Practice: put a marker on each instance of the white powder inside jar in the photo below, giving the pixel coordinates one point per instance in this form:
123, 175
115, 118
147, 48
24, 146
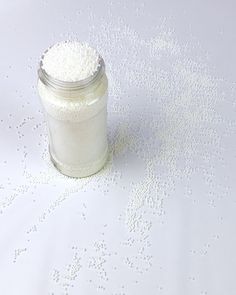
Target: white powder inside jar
70, 61
76, 120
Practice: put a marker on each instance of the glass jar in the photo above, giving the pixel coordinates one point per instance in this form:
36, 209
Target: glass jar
76, 115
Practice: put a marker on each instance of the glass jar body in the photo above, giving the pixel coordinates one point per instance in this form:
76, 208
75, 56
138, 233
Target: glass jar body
77, 127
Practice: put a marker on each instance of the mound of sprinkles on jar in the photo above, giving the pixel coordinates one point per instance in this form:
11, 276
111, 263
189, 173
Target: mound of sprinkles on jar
71, 61
73, 90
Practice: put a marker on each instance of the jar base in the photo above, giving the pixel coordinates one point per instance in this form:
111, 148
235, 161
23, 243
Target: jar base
80, 172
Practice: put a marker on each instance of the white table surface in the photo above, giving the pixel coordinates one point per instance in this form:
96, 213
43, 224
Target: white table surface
160, 217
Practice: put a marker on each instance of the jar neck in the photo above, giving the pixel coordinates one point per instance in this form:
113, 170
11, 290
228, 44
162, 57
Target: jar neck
61, 87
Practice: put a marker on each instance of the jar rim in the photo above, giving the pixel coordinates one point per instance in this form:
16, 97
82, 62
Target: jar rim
57, 84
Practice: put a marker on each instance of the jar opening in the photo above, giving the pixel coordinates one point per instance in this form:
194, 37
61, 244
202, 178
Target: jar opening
56, 84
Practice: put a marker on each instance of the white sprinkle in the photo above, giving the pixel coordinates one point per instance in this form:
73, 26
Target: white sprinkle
70, 61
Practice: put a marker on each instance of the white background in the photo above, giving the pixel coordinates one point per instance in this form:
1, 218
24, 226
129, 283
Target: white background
171, 67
